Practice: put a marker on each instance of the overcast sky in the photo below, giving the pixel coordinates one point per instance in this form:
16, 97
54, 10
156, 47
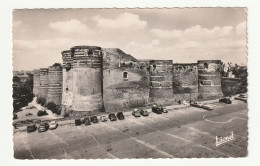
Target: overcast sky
182, 35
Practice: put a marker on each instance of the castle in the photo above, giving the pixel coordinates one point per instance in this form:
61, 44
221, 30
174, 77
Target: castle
93, 79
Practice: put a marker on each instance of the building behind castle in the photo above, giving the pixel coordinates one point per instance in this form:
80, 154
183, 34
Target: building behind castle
106, 79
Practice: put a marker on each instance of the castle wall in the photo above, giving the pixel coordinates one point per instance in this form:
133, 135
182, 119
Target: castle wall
209, 79
125, 81
185, 81
55, 84
87, 78
121, 93
161, 89
44, 83
36, 82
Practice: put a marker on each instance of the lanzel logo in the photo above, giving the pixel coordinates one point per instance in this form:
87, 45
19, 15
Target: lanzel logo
221, 140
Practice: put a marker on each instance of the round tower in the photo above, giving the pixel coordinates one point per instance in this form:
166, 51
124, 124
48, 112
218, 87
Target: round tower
44, 83
36, 82
67, 93
209, 79
87, 78
55, 84
160, 81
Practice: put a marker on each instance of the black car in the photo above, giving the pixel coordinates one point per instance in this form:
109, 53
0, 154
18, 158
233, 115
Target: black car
144, 112
41, 113
28, 114
82, 120
120, 116
87, 121
31, 128
112, 117
225, 100
77, 122
15, 116
156, 109
94, 119
44, 126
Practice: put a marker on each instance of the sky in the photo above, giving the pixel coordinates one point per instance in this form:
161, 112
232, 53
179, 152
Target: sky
183, 35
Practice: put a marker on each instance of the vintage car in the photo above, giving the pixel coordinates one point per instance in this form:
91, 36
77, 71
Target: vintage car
77, 122
164, 110
42, 112
195, 104
87, 121
225, 100
120, 116
112, 117
242, 97
94, 119
156, 109
103, 118
31, 128
28, 114
136, 113
44, 126
15, 116
144, 112
207, 107
53, 125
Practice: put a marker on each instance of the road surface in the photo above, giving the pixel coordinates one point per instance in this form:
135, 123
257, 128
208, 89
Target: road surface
182, 133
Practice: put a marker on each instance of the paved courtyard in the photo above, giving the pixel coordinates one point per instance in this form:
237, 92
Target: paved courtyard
189, 132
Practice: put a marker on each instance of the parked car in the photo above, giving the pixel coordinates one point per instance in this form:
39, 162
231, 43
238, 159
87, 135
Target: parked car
195, 104
156, 109
77, 122
103, 118
207, 107
28, 114
53, 125
144, 112
31, 128
94, 119
82, 120
242, 97
15, 116
120, 116
112, 117
44, 126
136, 113
225, 100
87, 121
164, 110
42, 112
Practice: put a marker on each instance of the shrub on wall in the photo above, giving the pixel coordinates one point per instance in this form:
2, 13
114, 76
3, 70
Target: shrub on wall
41, 100
54, 108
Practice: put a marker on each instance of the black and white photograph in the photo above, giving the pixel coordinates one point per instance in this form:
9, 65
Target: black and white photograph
121, 83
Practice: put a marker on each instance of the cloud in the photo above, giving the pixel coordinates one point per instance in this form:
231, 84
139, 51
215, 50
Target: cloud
241, 28
71, 26
43, 53
123, 21
193, 33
